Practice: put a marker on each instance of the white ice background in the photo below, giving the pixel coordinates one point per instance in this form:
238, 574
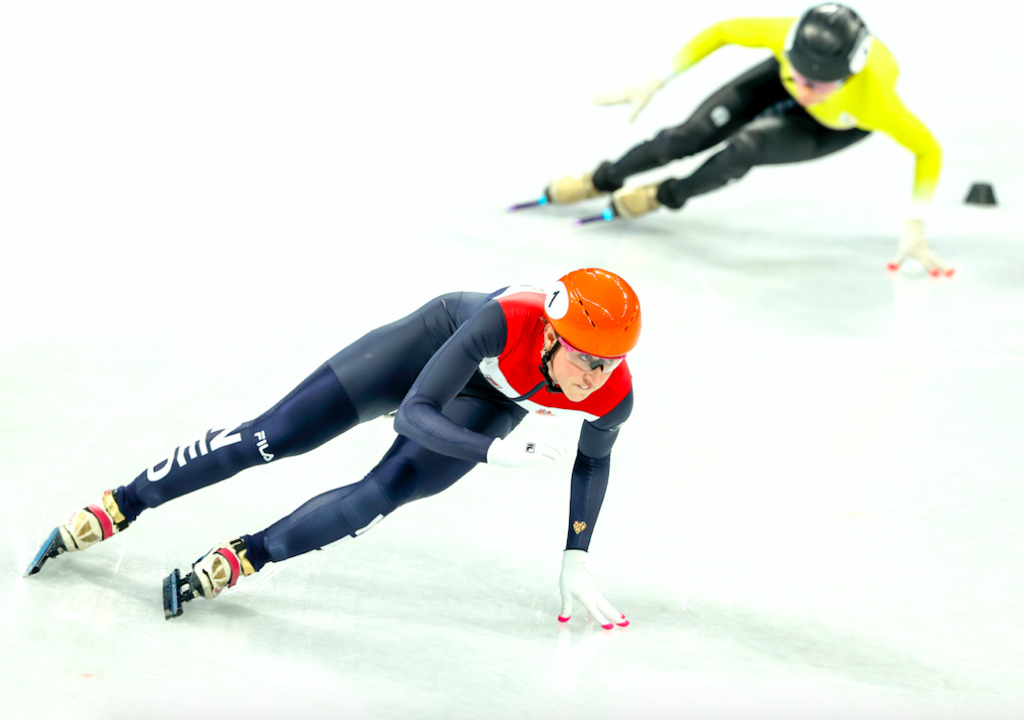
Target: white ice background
814, 512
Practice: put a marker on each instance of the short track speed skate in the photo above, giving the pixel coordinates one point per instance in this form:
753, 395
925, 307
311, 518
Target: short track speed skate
178, 590
52, 547
83, 527
542, 200
605, 216
211, 574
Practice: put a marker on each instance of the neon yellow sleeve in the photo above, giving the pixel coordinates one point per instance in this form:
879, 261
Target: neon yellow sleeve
896, 121
749, 32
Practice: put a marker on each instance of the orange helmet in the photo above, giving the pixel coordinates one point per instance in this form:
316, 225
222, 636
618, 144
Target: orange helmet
596, 311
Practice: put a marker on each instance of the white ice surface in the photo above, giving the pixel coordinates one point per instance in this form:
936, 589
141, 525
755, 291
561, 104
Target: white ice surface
815, 511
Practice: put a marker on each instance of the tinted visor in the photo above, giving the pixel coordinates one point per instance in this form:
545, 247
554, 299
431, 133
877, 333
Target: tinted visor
589, 363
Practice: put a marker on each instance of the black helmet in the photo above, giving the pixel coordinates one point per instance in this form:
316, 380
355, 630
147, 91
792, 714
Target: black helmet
829, 42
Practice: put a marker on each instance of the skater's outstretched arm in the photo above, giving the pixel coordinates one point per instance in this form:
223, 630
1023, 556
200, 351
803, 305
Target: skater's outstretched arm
902, 126
892, 117
879, 107
748, 32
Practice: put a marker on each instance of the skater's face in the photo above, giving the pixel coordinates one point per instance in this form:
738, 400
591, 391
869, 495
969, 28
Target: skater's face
812, 92
576, 383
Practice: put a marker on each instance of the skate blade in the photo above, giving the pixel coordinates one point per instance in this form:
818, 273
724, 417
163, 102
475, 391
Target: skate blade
607, 215
53, 547
531, 204
174, 595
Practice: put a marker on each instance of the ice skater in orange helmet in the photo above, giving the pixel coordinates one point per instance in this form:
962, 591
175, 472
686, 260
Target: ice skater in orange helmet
462, 372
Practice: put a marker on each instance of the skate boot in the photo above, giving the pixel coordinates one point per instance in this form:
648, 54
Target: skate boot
568, 189
572, 188
629, 203
81, 529
211, 574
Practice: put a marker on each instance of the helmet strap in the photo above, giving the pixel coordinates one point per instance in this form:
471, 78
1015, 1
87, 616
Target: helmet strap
545, 358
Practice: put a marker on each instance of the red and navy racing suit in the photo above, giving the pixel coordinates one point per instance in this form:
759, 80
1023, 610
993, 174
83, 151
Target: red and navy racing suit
458, 371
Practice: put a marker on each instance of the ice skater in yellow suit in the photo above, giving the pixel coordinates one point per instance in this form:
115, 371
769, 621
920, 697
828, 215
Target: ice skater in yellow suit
828, 84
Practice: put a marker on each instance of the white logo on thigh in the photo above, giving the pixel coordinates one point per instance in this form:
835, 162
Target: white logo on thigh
201, 446
262, 445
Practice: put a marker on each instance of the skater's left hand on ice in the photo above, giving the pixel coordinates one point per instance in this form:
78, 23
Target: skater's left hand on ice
575, 583
915, 244
638, 96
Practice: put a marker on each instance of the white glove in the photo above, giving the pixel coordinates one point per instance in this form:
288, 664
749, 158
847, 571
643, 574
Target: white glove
915, 244
529, 449
575, 583
638, 96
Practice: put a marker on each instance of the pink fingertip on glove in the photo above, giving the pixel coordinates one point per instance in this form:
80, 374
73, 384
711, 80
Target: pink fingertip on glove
609, 626
893, 266
563, 619
624, 623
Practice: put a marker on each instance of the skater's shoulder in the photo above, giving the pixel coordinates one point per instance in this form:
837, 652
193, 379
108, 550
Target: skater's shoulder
881, 64
521, 302
873, 90
520, 296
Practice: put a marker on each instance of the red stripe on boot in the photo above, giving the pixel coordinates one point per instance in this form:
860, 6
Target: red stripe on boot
236, 568
101, 515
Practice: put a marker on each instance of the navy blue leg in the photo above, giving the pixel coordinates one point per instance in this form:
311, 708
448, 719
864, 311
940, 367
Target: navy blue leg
365, 380
314, 412
408, 472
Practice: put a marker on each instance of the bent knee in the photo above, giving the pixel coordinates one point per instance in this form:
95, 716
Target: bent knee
397, 477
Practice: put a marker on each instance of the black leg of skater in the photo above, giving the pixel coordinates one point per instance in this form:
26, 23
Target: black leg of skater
725, 111
784, 133
789, 137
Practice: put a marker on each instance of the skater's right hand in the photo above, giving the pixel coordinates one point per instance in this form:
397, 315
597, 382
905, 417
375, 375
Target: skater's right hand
528, 449
914, 244
638, 96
